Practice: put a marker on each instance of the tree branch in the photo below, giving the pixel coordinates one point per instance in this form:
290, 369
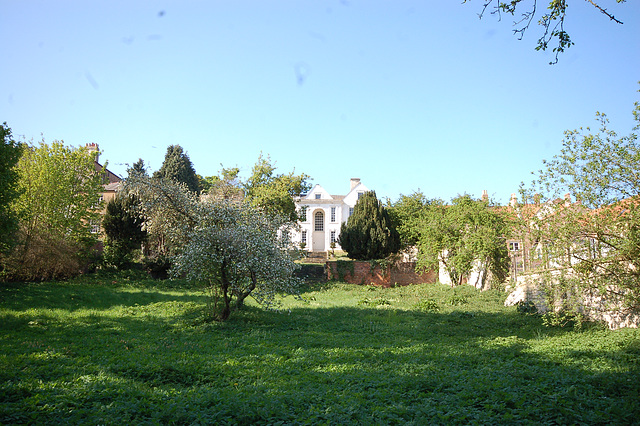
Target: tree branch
604, 11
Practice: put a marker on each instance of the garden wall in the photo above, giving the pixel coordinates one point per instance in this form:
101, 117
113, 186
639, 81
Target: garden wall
595, 307
378, 273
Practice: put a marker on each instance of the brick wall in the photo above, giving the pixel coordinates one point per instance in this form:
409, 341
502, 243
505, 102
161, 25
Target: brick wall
357, 272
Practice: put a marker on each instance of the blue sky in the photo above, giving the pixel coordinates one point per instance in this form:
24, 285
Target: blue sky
405, 95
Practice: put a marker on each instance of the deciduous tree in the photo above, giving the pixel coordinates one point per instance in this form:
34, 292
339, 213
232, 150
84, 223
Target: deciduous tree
552, 20
406, 214
225, 186
464, 236
594, 243
273, 193
233, 249
58, 204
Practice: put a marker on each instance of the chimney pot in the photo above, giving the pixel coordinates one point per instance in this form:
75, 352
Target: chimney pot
514, 200
93, 147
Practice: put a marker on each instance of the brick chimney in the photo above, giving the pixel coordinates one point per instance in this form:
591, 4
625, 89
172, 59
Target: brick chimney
514, 200
354, 182
93, 147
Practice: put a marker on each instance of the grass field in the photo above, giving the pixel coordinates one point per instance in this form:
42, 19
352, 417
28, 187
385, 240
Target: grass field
125, 350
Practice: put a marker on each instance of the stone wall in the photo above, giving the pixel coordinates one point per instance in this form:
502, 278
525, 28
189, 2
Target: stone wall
594, 306
373, 273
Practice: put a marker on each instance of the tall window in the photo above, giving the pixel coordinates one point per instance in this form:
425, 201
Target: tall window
333, 214
350, 211
319, 222
333, 236
360, 195
304, 237
303, 213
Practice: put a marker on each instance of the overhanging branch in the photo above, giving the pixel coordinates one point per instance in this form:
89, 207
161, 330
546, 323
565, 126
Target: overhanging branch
604, 11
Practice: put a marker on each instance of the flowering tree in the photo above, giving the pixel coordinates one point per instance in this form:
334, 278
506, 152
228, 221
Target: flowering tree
232, 248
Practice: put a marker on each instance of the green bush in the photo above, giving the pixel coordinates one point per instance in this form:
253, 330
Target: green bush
523, 307
157, 266
117, 254
428, 305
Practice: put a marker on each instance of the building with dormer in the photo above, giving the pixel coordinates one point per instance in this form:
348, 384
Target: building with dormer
322, 214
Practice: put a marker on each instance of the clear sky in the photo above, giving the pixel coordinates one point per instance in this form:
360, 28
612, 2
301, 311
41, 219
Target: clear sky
405, 95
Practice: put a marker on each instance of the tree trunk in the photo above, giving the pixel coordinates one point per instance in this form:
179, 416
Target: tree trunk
243, 295
226, 298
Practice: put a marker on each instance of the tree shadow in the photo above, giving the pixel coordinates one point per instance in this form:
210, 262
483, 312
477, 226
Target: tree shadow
338, 365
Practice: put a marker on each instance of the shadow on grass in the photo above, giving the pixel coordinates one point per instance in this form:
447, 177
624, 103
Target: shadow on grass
80, 295
152, 360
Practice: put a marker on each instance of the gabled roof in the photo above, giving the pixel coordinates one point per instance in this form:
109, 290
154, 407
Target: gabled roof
114, 186
109, 176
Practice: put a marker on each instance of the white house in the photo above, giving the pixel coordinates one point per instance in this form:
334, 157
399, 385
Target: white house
322, 214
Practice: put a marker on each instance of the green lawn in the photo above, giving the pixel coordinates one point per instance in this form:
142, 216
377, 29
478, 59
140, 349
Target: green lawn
113, 350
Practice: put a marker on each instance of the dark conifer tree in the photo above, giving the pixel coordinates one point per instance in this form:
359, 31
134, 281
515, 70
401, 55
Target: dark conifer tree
138, 169
10, 152
178, 167
368, 233
123, 226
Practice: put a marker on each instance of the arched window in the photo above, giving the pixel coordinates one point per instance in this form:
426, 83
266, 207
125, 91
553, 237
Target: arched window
319, 221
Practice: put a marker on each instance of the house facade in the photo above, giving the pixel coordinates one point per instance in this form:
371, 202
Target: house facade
111, 184
322, 214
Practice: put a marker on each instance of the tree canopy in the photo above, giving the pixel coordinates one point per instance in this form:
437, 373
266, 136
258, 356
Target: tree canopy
594, 242
406, 213
225, 186
10, 152
466, 235
552, 20
137, 169
123, 225
233, 249
178, 167
59, 203
274, 193
369, 232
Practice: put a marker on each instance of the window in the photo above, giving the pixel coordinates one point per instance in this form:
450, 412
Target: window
303, 213
95, 226
319, 222
350, 211
333, 236
304, 237
318, 196
98, 203
333, 214
360, 195
514, 246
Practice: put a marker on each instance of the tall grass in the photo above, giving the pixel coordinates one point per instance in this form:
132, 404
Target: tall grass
121, 350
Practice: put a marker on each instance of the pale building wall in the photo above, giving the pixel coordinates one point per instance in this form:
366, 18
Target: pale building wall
321, 240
